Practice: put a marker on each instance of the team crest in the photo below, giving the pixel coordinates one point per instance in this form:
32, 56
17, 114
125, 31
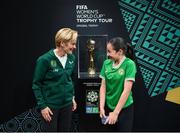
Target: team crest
53, 63
121, 71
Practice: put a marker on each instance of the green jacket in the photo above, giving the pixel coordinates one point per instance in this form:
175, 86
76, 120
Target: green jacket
52, 84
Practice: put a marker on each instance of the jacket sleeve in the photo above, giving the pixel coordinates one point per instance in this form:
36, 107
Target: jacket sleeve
39, 74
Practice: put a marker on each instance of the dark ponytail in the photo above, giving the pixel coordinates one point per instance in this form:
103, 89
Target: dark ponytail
130, 51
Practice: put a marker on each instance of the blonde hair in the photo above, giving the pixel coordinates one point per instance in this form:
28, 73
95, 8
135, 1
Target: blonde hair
65, 35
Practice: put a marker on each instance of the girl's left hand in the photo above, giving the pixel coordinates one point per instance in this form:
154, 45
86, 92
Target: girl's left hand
112, 119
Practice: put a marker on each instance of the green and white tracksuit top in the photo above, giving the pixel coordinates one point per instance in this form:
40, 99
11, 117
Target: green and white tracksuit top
115, 77
52, 84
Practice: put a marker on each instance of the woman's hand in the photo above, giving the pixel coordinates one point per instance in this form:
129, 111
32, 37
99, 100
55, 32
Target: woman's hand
46, 113
74, 106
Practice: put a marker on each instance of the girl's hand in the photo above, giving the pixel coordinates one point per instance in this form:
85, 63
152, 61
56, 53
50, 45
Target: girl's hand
112, 119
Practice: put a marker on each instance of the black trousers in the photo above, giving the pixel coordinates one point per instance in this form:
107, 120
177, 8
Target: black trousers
124, 122
61, 120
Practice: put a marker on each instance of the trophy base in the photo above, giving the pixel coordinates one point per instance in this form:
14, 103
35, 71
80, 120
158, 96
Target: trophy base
91, 75
86, 75
91, 71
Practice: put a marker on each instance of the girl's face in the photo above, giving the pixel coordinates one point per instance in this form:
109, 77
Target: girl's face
113, 54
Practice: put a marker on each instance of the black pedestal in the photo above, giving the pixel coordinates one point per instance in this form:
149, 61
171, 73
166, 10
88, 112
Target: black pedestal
88, 105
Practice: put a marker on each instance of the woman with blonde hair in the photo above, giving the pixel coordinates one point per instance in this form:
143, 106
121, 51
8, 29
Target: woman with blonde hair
52, 82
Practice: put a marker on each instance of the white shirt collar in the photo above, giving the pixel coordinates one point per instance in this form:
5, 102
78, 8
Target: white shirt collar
117, 66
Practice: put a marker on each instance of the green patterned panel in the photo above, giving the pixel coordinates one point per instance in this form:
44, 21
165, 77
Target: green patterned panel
155, 36
142, 5
169, 35
173, 65
147, 75
158, 11
175, 81
128, 18
141, 30
171, 6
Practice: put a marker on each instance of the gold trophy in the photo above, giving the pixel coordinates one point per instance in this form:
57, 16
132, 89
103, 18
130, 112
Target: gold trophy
91, 68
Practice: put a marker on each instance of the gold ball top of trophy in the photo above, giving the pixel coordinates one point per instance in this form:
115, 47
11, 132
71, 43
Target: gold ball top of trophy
90, 44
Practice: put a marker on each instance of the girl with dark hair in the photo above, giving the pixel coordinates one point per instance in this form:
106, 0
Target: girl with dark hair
118, 75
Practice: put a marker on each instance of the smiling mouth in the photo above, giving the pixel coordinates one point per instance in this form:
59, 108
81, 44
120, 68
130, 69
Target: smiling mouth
71, 50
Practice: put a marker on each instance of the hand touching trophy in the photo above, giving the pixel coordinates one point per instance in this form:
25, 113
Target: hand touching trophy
91, 67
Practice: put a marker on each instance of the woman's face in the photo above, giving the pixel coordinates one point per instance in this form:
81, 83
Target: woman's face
69, 47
